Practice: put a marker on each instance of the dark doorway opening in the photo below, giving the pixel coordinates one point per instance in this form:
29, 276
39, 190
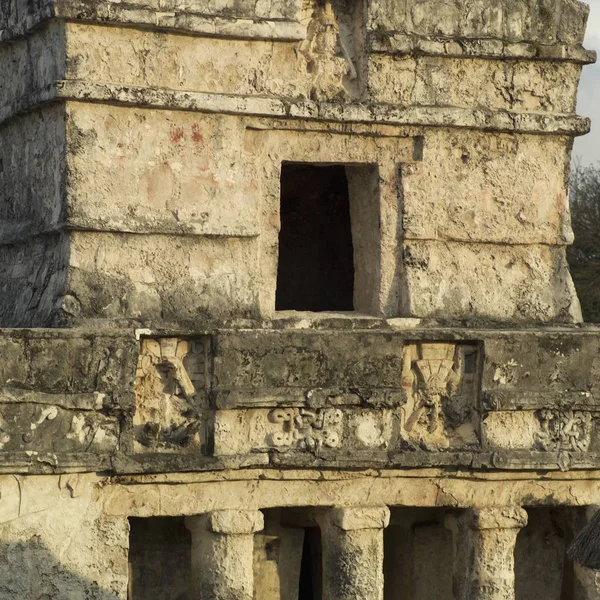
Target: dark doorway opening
316, 263
310, 569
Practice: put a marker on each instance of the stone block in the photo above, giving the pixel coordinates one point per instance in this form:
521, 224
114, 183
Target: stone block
437, 81
278, 20
161, 278
62, 396
573, 21
158, 172
36, 429
481, 203
563, 431
32, 276
235, 522
297, 359
491, 283
337, 431
204, 64
529, 372
33, 177
513, 19
29, 65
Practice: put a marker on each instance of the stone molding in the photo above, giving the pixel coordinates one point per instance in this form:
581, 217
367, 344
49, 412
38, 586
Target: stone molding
190, 23
254, 106
410, 45
498, 517
159, 19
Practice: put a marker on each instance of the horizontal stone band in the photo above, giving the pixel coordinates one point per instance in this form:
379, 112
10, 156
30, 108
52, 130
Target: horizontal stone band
424, 116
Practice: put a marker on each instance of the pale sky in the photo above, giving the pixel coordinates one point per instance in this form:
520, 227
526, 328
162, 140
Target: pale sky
587, 148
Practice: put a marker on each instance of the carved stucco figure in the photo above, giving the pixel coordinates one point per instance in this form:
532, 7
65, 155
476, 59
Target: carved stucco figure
441, 395
167, 415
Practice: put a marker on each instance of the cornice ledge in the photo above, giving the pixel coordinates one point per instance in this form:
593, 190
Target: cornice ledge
399, 44
146, 17
261, 106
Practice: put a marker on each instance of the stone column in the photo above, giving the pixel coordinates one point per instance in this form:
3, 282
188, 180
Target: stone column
484, 552
352, 546
222, 554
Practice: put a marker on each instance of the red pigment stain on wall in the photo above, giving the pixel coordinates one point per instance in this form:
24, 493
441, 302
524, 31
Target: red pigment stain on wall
176, 135
197, 133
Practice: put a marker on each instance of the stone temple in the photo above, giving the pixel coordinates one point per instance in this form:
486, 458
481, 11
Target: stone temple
285, 304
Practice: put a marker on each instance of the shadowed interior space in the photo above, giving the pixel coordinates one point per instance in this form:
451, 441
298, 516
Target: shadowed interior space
316, 265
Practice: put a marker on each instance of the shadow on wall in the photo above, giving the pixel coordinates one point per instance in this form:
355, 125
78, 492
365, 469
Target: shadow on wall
29, 571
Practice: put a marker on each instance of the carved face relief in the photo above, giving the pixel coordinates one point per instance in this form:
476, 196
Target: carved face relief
440, 382
170, 389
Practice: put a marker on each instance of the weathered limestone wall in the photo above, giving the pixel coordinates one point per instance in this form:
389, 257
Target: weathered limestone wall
141, 152
57, 543
335, 397
172, 133
68, 536
96, 429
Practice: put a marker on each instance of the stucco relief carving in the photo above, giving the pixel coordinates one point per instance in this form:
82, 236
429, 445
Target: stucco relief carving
4, 432
170, 378
20, 426
305, 429
38, 428
569, 431
329, 50
440, 383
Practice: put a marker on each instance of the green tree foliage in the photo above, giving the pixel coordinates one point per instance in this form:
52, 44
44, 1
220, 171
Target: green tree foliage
584, 255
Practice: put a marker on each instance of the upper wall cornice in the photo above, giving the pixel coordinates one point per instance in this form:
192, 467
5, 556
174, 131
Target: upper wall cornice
534, 29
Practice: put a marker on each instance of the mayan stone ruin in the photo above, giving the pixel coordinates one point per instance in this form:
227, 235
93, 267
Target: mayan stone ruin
285, 306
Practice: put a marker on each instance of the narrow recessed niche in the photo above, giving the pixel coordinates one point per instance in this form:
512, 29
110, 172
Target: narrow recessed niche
329, 238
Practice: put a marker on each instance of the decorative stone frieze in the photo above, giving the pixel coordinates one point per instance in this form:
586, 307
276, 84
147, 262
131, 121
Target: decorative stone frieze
34, 428
306, 429
321, 431
569, 430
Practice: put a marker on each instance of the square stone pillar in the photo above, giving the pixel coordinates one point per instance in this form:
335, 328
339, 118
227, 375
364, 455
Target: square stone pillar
484, 552
222, 554
352, 546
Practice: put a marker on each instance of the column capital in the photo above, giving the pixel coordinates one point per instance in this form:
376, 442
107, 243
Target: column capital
356, 517
498, 517
228, 522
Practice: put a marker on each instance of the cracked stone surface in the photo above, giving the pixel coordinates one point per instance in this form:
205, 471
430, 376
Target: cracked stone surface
161, 422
